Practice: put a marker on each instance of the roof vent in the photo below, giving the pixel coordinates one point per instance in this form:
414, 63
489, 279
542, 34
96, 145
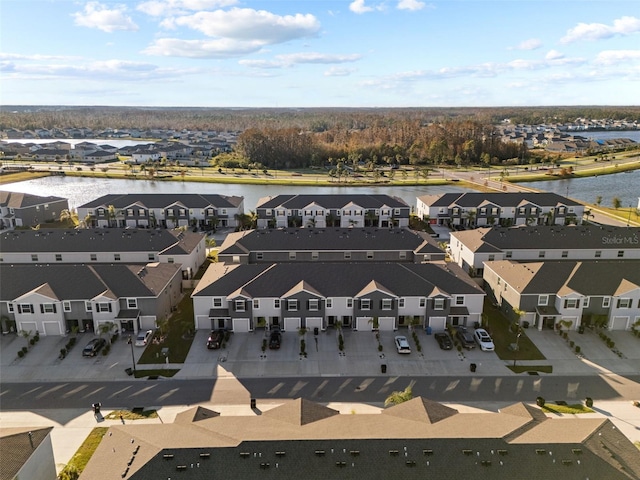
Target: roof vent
181, 467
427, 452
393, 453
320, 453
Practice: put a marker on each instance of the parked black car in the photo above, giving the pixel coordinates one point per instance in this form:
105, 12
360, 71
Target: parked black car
275, 339
215, 339
465, 337
444, 341
93, 347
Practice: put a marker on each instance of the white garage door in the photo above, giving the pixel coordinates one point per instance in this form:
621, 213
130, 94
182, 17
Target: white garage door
619, 323
28, 327
202, 322
241, 325
437, 324
387, 324
315, 322
364, 324
291, 324
52, 328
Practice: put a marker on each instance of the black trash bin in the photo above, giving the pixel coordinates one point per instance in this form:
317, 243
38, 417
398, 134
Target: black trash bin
128, 371
383, 368
581, 329
316, 331
473, 367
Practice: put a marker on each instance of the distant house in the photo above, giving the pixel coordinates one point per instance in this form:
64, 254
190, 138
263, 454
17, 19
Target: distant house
347, 295
329, 245
471, 248
25, 210
204, 211
417, 439
568, 294
323, 211
470, 210
54, 299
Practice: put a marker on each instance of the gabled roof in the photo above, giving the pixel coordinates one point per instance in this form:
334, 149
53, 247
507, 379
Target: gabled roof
163, 200
300, 412
17, 448
333, 202
302, 286
24, 200
421, 410
195, 414
374, 286
502, 199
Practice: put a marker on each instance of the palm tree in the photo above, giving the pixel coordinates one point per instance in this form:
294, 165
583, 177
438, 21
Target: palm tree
111, 214
396, 398
616, 202
71, 217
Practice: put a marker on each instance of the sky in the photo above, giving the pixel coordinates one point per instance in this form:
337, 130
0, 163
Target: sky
320, 53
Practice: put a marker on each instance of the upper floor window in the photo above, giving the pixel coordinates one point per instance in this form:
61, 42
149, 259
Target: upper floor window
508, 254
347, 255
259, 255
276, 303
329, 302
47, 308
58, 257
88, 307
292, 305
565, 253
423, 302
103, 307
314, 305
401, 302
34, 257
365, 304
132, 303
349, 302
543, 300
598, 253
66, 306
541, 254
585, 302
292, 255
217, 302
93, 257
624, 303
25, 308
239, 305
256, 304
459, 299
571, 303
151, 257
606, 302
438, 303
620, 253
387, 304
369, 255
116, 257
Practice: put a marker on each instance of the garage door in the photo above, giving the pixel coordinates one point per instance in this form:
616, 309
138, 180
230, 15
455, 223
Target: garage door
437, 324
387, 324
241, 325
291, 324
202, 322
28, 327
52, 328
619, 323
364, 324
315, 322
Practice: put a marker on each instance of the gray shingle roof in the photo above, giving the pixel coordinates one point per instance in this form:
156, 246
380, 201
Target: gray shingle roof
506, 199
23, 200
15, 448
161, 200
332, 201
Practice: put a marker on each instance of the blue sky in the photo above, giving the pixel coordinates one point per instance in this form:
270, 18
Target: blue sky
320, 53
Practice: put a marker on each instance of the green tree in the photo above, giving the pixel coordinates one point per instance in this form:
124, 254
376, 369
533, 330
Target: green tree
616, 202
396, 398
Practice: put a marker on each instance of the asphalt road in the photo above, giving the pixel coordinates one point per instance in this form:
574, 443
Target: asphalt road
167, 392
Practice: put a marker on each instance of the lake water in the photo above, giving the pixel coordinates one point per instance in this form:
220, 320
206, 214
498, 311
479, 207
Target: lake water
80, 190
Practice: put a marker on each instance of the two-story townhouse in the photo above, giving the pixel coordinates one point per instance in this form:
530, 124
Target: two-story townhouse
332, 211
204, 211
359, 296
54, 299
329, 245
90, 246
568, 294
471, 248
470, 210
25, 210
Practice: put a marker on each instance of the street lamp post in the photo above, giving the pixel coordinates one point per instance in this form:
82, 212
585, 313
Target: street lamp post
629, 217
515, 353
133, 358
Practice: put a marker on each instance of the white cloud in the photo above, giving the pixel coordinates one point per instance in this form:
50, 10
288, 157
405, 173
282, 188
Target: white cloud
159, 8
246, 24
220, 48
289, 60
97, 15
358, 6
530, 44
339, 72
553, 55
37, 57
598, 31
412, 5
613, 57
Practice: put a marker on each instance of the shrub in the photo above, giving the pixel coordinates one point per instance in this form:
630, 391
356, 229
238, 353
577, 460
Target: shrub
577, 348
379, 347
37, 338
24, 350
32, 342
63, 352
20, 353
105, 350
588, 402
227, 335
72, 341
572, 343
540, 401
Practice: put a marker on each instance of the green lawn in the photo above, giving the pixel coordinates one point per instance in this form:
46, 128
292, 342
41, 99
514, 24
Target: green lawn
82, 456
572, 409
498, 326
178, 337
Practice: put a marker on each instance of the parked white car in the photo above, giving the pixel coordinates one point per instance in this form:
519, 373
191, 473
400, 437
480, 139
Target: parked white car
483, 339
402, 345
143, 338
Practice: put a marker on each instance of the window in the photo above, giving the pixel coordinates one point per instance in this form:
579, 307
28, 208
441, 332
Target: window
87, 306
571, 303
494, 211
541, 254
606, 302
459, 299
103, 307
116, 257
349, 302
129, 212
543, 300
58, 257
141, 212
314, 255
217, 302
93, 257
239, 305
172, 260
292, 255
276, 303
347, 255
403, 255
329, 302
34, 257
565, 253
369, 255
365, 304
182, 212
256, 304
401, 302
292, 305
259, 255
491, 258
223, 211
47, 308
396, 211
25, 308
132, 303
314, 305
620, 253
598, 253
438, 303
423, 302
10, 307
508, 254
522, 211
483, 211
387, 304
268, 212
624, 303
66, 306
585, 302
